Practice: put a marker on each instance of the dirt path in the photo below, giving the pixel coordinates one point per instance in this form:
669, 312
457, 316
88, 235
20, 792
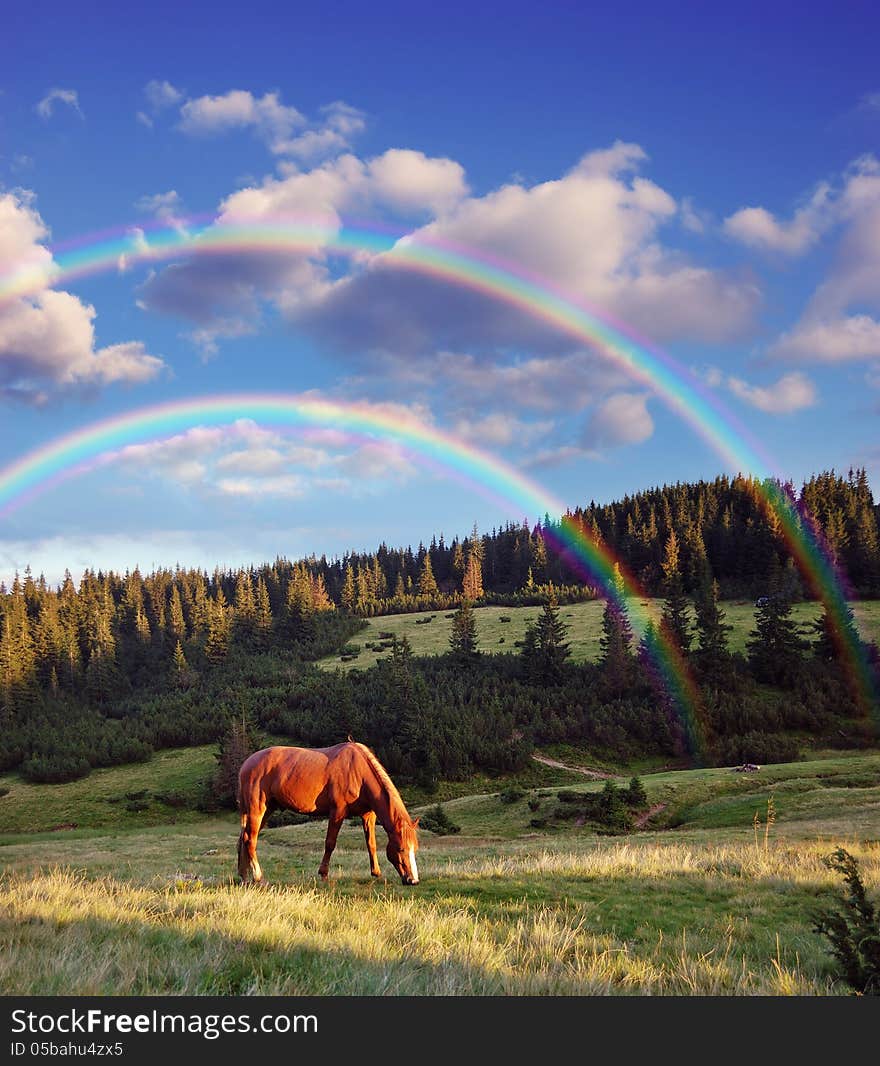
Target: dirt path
642, 819
599, 775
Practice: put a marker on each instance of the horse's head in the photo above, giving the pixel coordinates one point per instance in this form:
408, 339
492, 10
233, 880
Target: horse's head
403, 843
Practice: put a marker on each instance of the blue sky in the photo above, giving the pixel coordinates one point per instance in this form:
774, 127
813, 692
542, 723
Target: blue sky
710, 178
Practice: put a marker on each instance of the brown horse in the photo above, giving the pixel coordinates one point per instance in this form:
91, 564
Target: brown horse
341, 781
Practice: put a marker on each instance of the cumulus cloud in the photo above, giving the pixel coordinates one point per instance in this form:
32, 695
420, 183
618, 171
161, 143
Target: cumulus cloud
840, 322
166, 206
239, 109
621, 419
69, 97
47, 338
792, 392
161, 94
245, 460
333, 134
836, 341
759, 228
594, 234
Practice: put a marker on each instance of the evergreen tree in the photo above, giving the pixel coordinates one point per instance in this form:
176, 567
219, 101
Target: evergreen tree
546, 649
827, 646
217, 640
616, 639
427, 582
776, 647
714, 653
349, 592
463, 639
675, 620
240, 739
472, 583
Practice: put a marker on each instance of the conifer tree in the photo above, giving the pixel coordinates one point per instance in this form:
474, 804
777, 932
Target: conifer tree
472, 583
463, 639
349, 591
675, 620
616, 639
713, 653
427, 582
776, 647
217, 640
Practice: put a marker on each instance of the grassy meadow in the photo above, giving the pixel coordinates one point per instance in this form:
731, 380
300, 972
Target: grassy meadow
708, 898
584, 621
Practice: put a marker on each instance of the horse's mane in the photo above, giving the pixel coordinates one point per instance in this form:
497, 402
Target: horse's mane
396, 801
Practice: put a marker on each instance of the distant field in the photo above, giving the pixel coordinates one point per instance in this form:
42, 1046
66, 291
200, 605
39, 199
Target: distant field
584, 621
712, 906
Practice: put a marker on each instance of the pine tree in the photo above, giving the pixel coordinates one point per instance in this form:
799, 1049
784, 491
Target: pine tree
616, 639
472, 583
217, 640
240, 739
463, 639
349, 591
776, 647
427, 583
713, 653
675, 620
545, 649
827, 647
263, 618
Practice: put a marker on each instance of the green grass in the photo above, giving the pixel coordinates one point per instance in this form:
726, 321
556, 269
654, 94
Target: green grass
707, 906
584, 622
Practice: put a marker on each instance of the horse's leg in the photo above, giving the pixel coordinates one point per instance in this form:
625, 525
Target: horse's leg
333, 827
370, 835
251, 822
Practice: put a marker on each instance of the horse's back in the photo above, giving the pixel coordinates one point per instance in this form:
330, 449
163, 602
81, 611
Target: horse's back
294, 777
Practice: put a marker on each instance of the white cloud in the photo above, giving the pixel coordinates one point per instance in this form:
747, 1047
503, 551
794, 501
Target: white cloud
246, 460
340, 124
166, 206
47, 339
501, 429
593, 233
621, 419
46, 107
792, 392
836, 341
238, 109
412, 182
161, 94
758, 228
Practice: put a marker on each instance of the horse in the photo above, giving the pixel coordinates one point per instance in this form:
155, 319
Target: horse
341, 781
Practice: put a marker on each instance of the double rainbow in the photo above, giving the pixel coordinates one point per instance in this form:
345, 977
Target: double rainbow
674, 384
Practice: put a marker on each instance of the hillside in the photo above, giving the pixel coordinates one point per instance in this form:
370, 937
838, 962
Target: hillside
719, 904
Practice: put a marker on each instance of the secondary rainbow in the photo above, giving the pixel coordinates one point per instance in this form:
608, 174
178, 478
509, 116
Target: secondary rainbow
674, 384
103, 441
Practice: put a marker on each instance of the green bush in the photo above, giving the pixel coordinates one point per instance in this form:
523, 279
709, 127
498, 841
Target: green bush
511, 795
436, 820
853, 929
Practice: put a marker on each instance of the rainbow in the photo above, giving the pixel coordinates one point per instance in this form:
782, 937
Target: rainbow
103, 441
675, 385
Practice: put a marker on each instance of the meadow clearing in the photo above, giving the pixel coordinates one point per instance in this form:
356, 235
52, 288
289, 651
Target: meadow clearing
711, 897
499, 628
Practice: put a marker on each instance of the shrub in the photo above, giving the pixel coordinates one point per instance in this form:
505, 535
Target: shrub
853, 928
534, 803
4, 792
511, 795
753, 747
436, 820
635, 796
173, 799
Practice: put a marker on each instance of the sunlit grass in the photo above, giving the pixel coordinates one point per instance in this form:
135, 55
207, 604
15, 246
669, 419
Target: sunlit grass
663, 919
583, 621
